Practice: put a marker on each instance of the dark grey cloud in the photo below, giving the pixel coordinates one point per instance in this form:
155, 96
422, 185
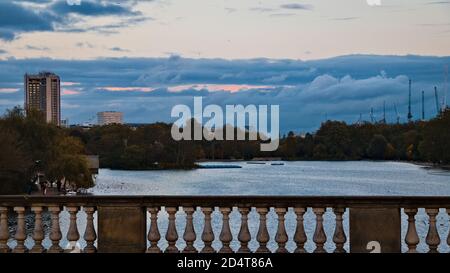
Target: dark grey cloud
58, 15
2, 51
92, 8
84, 45
108, 28
345, 18
307, 91
37, 48
17, 18
278, 11
262, 9
282, 14
119, 49
438, 3
37, 1
297, 6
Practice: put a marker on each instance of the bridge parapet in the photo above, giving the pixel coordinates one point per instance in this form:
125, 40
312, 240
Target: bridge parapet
132, 223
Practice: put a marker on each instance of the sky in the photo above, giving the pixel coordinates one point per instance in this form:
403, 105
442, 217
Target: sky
317, 59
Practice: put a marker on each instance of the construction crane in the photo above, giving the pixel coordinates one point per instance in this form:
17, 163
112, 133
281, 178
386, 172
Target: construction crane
409, 103
372, 117
445, 86
438, 110
423, 105
360, 121
396, 113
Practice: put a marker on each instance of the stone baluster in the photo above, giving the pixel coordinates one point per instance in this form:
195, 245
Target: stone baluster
411, 239
244, 233
263, 236
225, 235
319, 234
171, 235
38, 233
153, 234
448, 237
432, 239
281, 237
208, 234
90, 235
72, 234
189, 235
300, 235
20, 235
4, 231
339, 237
55, 233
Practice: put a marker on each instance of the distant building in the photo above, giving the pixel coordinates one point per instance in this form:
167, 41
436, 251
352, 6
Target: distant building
65, 123
43, 92
109, 117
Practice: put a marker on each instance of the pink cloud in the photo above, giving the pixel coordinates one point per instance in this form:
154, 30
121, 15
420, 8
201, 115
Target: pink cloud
118, 89
218, 87
9, 90
70, 92
69, 83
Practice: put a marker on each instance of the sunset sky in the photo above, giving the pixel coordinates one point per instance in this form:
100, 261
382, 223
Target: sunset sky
232, 29
142, 57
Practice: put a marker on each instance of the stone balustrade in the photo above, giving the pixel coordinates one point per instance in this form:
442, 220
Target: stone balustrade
130, 223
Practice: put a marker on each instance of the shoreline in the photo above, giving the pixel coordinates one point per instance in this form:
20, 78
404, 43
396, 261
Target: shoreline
196, 166
429, 165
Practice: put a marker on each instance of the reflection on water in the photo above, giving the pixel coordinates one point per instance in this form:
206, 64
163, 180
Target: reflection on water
293, 178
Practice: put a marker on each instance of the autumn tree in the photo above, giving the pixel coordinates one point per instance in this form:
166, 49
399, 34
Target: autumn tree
31, 144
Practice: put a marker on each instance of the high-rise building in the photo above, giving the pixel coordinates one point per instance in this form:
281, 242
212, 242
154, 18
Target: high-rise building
109, 117
43, 92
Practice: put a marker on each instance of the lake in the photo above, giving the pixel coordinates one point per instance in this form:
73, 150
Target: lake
293, 178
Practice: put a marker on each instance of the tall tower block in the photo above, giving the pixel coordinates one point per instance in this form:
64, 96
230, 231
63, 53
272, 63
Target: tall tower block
43, 92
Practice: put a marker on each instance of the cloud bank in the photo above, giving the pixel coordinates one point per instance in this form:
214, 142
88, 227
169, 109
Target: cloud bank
61, 15
308, 92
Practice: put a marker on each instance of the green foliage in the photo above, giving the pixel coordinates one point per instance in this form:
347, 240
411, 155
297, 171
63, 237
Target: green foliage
377, 147
435, 146
145, 147
415, 141
15, 164
26, 140
29, 144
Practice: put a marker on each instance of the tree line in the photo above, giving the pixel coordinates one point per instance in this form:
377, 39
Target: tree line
425, 141
29, 145
152, 147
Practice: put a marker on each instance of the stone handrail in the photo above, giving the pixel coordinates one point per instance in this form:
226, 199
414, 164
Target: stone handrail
122, 221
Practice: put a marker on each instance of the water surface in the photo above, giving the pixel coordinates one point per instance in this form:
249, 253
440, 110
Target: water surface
294, 178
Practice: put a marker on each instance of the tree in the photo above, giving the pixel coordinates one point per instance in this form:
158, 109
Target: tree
320, 152
435, 146
377, 147
290, 146
15, 165
30, 139
337, 139
68, 161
